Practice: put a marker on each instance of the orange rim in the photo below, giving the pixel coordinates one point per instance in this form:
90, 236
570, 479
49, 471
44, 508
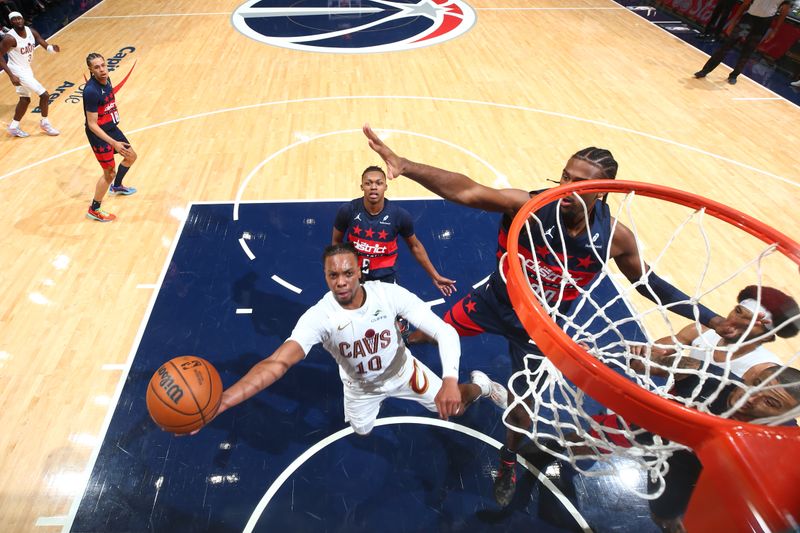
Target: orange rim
635, 404
713, 438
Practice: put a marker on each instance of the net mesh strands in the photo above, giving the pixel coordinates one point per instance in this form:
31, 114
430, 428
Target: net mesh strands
640, 430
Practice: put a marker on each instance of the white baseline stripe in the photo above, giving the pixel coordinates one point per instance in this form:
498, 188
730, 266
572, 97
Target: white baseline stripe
246, 248
286, 284
73, 511
243, 311
297, 463
435, 302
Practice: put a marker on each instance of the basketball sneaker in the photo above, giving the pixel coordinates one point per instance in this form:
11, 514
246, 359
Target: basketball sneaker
100, 215
700, 74
490, 389
122, 190
49, 129
505, 483
16, 132
795, 83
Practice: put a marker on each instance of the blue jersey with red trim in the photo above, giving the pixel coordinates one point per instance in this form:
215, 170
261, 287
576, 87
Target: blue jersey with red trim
581, 262
100, 99
374, 236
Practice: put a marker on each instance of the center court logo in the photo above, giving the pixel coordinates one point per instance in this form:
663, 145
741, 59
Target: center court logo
353, 26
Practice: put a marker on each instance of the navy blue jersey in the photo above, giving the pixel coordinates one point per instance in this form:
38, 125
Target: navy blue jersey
374, 236
581, 261
100, 99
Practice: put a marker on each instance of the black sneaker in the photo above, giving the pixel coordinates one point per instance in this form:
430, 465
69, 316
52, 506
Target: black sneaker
505, 483
700, 74
732, 80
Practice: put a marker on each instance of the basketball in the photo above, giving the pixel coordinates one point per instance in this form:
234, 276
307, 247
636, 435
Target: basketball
184, 394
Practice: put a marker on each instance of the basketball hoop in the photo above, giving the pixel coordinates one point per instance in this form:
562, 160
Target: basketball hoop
740, 487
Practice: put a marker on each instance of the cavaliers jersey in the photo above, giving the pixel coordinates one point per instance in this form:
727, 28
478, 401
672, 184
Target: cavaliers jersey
365, 342
374, 236
100, 99
582, 252
21, 55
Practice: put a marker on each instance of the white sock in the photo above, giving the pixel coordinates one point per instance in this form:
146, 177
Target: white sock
45, 121
14, 124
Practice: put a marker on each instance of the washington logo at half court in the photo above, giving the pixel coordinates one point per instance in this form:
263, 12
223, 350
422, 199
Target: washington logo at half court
353, 26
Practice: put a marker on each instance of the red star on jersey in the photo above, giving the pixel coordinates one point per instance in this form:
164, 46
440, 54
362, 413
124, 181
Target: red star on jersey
542, 251
369, 233
382, 234
585, 262
470, 306
357, 230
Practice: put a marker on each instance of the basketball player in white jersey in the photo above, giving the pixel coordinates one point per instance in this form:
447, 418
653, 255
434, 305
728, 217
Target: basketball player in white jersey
355, 323
19, 44
760, 315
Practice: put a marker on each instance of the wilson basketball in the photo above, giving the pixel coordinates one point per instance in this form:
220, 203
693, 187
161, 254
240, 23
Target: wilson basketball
184, 394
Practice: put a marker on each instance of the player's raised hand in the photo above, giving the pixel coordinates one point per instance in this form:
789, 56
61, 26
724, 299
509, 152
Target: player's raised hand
448, 399
394, 163
445, 285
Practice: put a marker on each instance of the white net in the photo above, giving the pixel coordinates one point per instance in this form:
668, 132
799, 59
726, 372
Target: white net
741, 374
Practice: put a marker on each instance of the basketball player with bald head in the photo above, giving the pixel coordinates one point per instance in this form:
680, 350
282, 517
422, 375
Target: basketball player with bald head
488, 308
19, 44
355, 323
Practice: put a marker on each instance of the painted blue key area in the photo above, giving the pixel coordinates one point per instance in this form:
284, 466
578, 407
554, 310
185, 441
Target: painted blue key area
410, 477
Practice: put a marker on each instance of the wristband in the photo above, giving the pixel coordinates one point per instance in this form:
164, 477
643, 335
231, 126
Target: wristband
51, 49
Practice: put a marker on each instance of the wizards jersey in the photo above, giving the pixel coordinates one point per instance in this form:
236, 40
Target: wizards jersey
100, 99
581, 262
374, 236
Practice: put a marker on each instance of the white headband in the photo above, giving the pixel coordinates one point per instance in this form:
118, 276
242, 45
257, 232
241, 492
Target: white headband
754, 307
15, 14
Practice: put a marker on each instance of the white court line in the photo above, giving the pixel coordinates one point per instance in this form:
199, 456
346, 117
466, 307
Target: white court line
448, 100
246, 248
667, 22
763, 98
146, 286
286, 284
143, 15
73, 511
481, 282
113, 366
305, 456
435, 302
45, 521
244, 311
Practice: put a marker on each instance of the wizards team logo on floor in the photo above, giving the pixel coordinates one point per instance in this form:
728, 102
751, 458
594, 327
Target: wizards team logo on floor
353, 26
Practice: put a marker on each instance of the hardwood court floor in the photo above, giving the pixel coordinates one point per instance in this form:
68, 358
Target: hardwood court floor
529, 84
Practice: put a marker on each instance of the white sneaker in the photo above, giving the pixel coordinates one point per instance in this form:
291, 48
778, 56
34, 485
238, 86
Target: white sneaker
490, 389
49, 129
16, 132
795, 83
